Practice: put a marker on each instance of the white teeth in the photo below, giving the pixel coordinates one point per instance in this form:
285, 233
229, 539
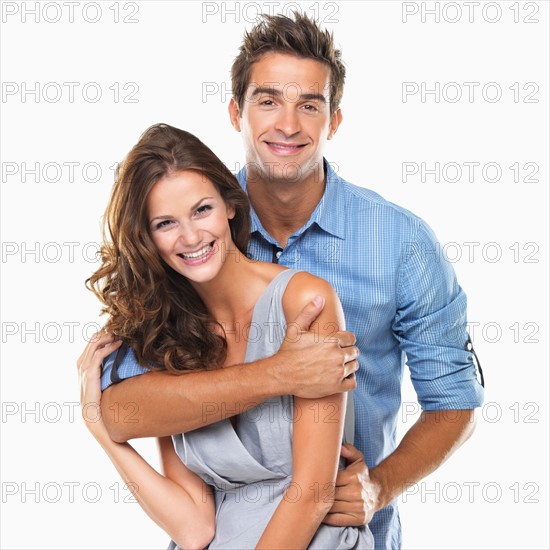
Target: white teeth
285, 146
198, 254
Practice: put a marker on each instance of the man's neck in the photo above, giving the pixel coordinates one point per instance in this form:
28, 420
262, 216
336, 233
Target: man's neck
283, 207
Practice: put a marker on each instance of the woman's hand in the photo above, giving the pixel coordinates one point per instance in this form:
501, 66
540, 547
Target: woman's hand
179, 502
89, 370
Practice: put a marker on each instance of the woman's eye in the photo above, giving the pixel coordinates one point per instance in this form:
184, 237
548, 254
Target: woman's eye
163, 223
201, 210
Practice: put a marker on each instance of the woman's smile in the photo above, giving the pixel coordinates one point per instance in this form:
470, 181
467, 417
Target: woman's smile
201, 256
189, 224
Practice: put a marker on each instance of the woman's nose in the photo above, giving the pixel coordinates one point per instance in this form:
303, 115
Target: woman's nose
190, 236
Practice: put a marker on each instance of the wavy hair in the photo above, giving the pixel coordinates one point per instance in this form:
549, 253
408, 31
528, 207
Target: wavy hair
151, 307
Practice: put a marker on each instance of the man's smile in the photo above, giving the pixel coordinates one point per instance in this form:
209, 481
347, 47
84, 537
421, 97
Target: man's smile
284, 148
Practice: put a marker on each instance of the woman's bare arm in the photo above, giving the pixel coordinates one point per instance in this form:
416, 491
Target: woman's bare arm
178, 501
317, 437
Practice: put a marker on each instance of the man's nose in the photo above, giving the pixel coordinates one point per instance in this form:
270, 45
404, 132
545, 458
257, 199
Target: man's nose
288, 121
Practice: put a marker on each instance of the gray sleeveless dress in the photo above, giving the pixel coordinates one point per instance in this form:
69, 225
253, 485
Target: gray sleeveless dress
250, 465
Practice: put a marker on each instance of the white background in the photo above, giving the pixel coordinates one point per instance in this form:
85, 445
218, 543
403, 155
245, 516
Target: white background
58, 488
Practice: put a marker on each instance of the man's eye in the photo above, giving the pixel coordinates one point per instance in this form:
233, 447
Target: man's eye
309, 107
267, 102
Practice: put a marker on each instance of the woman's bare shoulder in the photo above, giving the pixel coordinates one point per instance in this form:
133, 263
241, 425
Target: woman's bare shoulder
301, 290
266, 271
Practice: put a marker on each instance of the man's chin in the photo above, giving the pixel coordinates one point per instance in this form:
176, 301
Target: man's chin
276, 172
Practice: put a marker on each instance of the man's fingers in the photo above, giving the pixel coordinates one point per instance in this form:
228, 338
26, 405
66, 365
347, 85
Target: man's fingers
352, 353
351, 453
348, 384
342, 520
309, 313
343, 495
351, 366
345, 338
345, 450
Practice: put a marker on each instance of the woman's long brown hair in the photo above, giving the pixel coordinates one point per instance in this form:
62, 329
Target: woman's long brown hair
151, 307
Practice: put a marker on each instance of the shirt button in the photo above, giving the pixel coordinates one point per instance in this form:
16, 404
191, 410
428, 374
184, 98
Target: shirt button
279, 254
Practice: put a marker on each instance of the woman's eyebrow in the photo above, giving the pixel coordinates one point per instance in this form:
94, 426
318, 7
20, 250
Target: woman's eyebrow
161, 217
198, 202
168, 216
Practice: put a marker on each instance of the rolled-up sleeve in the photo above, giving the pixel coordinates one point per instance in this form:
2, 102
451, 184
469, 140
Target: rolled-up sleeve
119, 365
431, 326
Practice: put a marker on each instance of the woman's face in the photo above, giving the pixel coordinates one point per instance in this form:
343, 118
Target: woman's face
188, 222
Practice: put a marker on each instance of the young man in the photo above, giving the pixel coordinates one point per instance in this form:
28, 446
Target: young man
398, 299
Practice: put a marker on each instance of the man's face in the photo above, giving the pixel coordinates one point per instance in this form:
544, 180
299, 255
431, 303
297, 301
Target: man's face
285, 119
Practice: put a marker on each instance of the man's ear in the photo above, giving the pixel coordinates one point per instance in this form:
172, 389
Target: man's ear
235, 115
335, 121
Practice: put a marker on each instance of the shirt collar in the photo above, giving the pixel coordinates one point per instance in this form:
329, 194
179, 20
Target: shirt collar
255, 224
329, 214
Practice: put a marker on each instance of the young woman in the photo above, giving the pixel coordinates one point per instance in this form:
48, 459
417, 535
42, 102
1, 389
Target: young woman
180, 291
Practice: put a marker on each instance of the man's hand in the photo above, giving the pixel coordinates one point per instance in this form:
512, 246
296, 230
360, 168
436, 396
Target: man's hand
356, 495
160, 404
427, 444
312, 366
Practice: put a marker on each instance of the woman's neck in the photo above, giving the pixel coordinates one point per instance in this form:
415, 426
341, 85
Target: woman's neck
231, 296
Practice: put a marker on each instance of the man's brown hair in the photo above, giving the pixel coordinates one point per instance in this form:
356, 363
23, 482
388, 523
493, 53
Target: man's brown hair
299, 36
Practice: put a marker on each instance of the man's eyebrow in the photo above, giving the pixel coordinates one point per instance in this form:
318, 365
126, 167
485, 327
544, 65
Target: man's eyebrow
278, 93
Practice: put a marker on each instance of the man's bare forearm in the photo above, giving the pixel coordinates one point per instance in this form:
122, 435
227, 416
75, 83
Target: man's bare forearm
157, 404
429, 442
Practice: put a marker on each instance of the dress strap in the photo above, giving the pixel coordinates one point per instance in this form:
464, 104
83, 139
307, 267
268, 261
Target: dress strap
270, 307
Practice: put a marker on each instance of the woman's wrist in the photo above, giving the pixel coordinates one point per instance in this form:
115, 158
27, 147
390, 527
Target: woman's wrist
97, 428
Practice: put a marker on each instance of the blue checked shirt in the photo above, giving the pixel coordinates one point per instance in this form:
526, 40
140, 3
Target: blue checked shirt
400, 298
